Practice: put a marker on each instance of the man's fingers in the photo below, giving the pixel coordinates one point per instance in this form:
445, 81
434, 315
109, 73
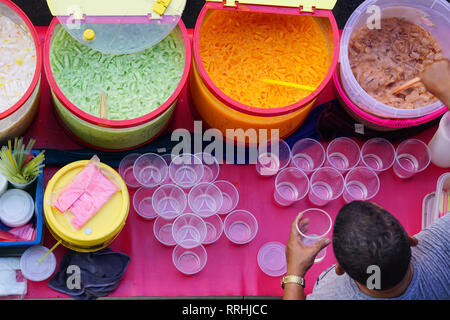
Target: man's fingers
322, 243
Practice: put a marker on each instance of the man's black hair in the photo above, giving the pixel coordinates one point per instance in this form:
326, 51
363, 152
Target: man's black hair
365, 234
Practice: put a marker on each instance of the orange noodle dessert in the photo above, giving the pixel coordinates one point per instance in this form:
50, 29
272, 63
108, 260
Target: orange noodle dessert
242, 50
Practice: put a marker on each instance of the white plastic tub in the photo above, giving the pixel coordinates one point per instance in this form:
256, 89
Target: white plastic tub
416, 11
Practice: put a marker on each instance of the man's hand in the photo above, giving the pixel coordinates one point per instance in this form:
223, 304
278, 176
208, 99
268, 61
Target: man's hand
436, 78
299, 256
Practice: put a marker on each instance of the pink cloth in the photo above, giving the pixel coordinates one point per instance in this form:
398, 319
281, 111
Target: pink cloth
85, 195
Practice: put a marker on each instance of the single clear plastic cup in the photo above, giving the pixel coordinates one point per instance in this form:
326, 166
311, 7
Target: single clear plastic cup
411, 157
230, 196
273, 158
361, 183
186, 170
291, 185
211, 166
308, 155
150, 170
378, 154
30, 266
314, 225
189, 261
169, 201
189, 230
126, 170
272, 259
162, 229
214, 229
343, 154
205, 199
326, 184
142, 203
240, 227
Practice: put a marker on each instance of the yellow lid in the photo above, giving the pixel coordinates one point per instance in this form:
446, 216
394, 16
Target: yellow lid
307, 5
103, 226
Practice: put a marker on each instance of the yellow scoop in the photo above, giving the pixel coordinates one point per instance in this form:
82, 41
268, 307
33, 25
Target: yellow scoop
289, 84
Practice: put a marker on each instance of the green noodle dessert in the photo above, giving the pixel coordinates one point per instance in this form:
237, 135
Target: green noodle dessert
134, 84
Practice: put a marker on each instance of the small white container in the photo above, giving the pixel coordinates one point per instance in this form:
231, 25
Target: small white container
439, 145
16, 208
3, 184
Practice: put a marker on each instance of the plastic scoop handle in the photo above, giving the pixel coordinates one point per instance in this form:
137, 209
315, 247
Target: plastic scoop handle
289, 84
48, 252
405, 86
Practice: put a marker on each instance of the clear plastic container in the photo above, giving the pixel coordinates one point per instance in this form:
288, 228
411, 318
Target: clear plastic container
169, 201
189, 230
162, 229
291, 185
230, 196
272, 259
126, 170
439, 145
308, 155
214, 229
412, 156
378, 154
240, 227
273, 158
343, 154
361, 184
326, 184
142, 203
150, 170
186, 170
211, 166
205, 199
189, 261
431, 15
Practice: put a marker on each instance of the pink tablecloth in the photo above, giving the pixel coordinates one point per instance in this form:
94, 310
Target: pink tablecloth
231, 270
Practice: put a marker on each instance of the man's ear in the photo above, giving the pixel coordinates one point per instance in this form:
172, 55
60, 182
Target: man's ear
413, 241
338, 269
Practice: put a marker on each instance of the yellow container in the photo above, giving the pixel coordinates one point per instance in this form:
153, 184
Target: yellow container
102, 228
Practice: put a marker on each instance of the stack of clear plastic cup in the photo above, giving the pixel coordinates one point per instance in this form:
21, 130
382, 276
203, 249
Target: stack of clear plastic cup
308, 155
162, 229
189, 230
205, 199
230, 196
142, 203
169, 201
361, 183
378, 154
273, 158
291, 185
326, 184
189, 261
210, 166
240, 227
150, 170
126, 170
411, 157
186, 170
313, 225
343, 154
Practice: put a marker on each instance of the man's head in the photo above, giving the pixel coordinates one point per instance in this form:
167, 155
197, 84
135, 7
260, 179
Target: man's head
365, 234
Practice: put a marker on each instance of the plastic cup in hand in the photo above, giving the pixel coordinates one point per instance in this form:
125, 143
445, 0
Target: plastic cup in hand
343, 154
205, 199
142, 203
308, 155
230, 196
273, 158
150, 170
291, 185
169, 201
378, 154
361, 183
162, 229
126, 170
314, 225
189, 230
326, 184
210, 166
186, 170
189, 261
240, 227
411, 157
214, 229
